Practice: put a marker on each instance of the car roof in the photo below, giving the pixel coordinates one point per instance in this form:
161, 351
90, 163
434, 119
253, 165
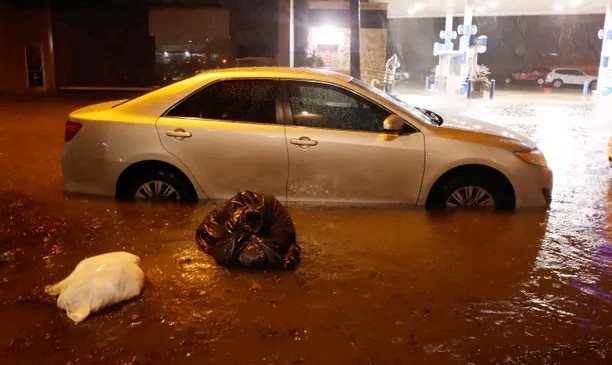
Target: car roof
158, 101
276, 72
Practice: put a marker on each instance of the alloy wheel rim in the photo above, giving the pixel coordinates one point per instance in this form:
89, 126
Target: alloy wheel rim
156, 190
470, 196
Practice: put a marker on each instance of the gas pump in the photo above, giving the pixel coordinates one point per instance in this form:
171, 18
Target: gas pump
470, 46
604, 80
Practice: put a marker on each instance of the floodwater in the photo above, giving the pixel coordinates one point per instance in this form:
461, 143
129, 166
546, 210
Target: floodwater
376, 285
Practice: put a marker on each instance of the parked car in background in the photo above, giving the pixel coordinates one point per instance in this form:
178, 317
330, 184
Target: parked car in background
570, 76
530, 75
304, 135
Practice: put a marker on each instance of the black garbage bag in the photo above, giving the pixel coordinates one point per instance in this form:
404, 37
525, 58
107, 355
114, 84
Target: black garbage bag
251, 230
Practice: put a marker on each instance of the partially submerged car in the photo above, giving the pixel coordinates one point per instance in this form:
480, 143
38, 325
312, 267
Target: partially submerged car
302, 135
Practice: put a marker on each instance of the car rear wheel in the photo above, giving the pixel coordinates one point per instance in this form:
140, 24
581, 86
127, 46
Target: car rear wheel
158, 185
472, 191
557, 83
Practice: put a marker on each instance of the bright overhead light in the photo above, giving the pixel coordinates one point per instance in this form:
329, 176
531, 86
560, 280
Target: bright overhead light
411, 11
481, 9
493, 4
326, 35
559, 7
575, 3
418, 6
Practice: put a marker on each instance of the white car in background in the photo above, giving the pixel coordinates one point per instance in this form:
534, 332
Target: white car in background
302, 135
570, 76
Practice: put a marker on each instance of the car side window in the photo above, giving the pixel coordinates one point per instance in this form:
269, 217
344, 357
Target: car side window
326, 106
232, 100
563, 72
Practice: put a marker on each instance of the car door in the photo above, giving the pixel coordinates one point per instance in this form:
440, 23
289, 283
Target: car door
338, 151
581, 77
576, 77
228, 137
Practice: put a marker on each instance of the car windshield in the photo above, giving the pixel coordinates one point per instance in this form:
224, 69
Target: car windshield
395, 101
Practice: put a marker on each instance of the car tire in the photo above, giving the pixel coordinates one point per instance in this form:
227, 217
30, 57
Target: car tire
593, 85
158, 185
557, 83
464, 185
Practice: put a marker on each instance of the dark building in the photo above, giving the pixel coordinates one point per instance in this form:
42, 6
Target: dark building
68, 44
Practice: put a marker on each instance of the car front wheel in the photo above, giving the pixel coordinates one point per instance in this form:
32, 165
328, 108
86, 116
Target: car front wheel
469, 191
158, 185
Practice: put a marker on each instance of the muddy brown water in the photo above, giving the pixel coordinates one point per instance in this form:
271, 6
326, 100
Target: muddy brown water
376, 285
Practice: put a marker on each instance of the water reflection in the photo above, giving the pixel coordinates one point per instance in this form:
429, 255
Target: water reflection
379, 285
575, 250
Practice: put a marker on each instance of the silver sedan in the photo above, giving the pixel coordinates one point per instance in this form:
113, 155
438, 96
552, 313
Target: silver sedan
302, 135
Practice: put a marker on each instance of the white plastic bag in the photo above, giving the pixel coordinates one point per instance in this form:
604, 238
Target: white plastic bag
98, 282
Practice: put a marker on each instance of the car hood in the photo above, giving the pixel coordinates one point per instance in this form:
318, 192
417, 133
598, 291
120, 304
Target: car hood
477, 130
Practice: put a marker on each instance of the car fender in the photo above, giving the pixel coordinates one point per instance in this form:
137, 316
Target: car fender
171, 160
433, 174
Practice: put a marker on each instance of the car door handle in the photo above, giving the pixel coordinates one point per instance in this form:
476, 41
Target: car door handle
178, 133
304, 142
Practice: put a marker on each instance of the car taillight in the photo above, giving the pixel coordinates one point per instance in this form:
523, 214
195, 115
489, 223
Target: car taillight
72, 128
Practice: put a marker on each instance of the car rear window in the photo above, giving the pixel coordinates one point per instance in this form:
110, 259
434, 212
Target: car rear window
232, 100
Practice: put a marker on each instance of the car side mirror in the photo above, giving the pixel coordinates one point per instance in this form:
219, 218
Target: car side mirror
394, 123
435, 117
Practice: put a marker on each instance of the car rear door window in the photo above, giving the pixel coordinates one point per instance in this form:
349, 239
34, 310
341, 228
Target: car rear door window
231, 100
326, 106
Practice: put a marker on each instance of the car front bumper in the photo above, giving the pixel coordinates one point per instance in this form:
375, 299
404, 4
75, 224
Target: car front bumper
536, 190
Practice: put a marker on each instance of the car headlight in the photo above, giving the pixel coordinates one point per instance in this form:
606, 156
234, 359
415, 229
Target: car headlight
534, 157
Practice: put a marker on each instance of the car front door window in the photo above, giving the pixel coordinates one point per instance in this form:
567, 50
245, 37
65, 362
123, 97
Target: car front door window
325, 106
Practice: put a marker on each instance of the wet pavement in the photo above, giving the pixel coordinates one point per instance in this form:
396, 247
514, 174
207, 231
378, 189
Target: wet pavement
376, 285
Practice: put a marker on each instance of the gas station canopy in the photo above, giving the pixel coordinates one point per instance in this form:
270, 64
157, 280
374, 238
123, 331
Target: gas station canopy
440, 8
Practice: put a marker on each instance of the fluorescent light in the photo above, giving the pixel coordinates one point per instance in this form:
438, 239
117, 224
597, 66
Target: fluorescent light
326, 35
418, 6
575, 3
481, 9
559, 7
493, 4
